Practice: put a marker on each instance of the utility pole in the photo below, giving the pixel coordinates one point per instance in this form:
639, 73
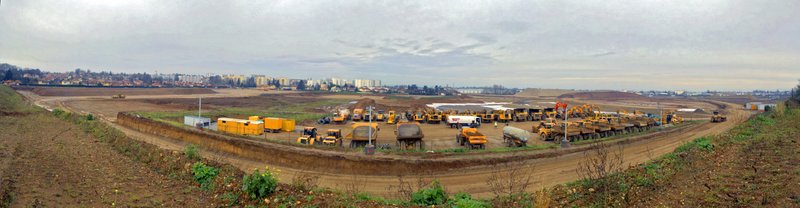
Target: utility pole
565, 142
369, 149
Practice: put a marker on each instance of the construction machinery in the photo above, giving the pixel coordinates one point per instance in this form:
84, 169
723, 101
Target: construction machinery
118, 96
573, 132
309, 136
409, 136
536, 114
380, 116
718, 118
358, 114
391, 118
419, 117
504, 115
521, 114
362, 134
471, 138
544, 129
333, 138
433, 117
341, 116
515, 137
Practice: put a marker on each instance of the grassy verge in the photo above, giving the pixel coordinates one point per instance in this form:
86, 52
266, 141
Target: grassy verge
706, 172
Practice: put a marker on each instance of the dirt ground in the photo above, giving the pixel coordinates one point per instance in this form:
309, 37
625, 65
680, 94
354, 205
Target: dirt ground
547, 171
87, 91
61, 166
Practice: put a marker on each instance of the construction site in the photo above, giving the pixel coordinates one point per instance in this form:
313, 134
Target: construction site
458, 140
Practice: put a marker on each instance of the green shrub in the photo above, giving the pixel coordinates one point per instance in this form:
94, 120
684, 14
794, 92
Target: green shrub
259, 185
464, 200
191, 152
89, 117
58, 112
433, 195
204, 175
703, 143
231, 198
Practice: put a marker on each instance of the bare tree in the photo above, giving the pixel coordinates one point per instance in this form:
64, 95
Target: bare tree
600, 163
510, 179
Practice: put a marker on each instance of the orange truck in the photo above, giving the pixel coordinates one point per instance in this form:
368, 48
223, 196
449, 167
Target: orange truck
471, 138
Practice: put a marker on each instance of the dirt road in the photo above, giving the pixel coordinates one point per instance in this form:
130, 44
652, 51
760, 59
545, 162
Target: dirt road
547, 171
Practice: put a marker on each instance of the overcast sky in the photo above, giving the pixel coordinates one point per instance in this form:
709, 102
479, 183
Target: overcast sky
581, 44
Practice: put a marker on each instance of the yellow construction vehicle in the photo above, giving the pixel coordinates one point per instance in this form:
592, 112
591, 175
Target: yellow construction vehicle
334, 138
391, 118
471, 138
419, 117
381, 116
341, 116
309, 137
434, 117
504, 115
521, 114
360, 136
118, 96
718, 118
358, 114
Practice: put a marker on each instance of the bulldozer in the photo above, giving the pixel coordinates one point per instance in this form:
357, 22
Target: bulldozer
309, 137
391, 118
718, 118
409, 136
471, 138
334, 138
360, 136
118, 96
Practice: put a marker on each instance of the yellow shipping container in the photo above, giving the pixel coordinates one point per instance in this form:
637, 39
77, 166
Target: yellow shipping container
240, 126
273, 125
253, 118
288, 125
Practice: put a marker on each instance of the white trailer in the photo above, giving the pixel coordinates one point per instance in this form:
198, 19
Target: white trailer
460, 121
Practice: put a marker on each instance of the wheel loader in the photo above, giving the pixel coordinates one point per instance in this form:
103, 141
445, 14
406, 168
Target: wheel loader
309, 137
334, 138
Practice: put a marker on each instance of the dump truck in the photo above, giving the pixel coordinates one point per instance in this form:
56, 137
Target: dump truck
504, 115
360, 135
573, 132
309, 137
521, 114
118, 96
471, 138
434, 117
515, 137
461, 121
341, 116
358, 114
409, 136
419, 117
380, 116
718, 118
334, 138
536, 114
